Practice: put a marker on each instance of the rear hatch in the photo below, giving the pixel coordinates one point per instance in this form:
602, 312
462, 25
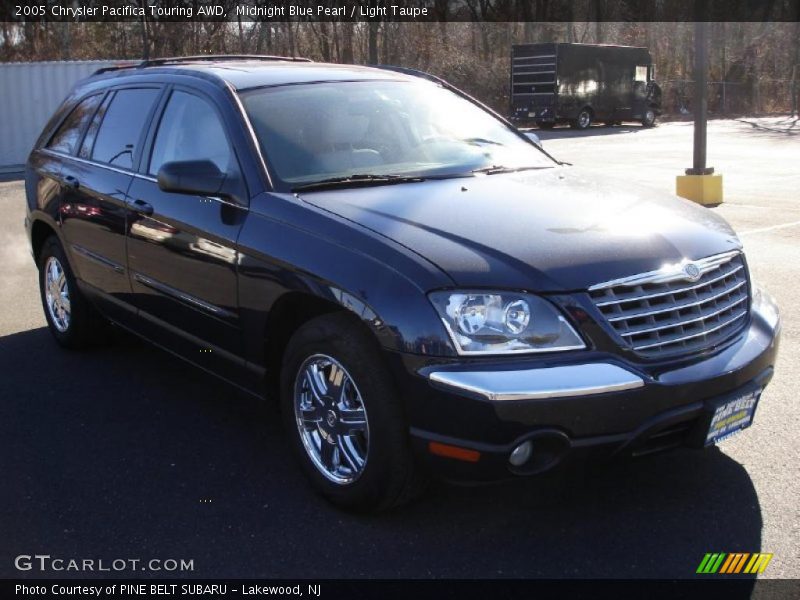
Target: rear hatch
533, 81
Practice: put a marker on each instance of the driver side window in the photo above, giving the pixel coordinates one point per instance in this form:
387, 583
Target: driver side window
190, 129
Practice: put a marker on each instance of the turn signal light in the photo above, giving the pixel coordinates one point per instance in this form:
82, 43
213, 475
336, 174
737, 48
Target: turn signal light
454, 452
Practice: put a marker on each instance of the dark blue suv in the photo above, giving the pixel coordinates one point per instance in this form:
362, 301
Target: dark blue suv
423, 287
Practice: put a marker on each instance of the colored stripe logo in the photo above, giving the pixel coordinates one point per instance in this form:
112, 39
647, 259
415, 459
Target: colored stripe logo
733, 563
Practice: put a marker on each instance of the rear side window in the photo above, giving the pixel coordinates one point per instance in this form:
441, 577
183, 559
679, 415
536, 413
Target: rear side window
122, 127
68, 134
91, 134
190, 129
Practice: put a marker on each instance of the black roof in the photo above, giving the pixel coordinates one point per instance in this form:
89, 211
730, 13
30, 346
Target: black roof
581, 45
246, 72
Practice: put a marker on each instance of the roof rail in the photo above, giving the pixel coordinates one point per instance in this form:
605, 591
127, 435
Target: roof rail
155, 62
116, 67
219, 57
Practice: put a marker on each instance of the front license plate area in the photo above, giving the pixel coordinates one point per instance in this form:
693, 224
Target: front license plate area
732, 416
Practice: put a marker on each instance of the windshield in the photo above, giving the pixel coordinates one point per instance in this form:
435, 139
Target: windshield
314, 132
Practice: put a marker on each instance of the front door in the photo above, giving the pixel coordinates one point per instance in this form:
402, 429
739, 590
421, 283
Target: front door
182, 248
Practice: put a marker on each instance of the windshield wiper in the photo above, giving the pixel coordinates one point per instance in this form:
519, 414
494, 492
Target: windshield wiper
479, 140
495, 169
358, 179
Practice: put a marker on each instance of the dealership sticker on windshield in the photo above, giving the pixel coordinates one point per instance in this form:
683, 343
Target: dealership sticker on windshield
732, 416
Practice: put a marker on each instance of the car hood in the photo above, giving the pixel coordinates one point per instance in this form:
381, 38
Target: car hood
555, 229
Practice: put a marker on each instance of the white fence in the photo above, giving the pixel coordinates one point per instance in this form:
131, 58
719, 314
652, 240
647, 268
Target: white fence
29, 94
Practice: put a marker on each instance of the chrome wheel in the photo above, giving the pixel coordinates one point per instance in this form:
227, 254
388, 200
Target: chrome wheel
649, 118
56, 293
584, 119
331, 419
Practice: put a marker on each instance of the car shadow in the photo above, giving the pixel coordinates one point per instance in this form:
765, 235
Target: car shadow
126, 451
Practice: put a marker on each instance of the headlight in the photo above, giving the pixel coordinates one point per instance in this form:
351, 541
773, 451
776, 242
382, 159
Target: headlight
503, 323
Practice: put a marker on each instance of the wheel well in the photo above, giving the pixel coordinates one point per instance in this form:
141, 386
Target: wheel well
289, 313
39, 233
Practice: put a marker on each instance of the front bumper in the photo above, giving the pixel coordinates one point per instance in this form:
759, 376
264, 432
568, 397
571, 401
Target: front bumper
590, 403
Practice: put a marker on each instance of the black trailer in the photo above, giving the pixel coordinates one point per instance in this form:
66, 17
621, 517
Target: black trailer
583, 83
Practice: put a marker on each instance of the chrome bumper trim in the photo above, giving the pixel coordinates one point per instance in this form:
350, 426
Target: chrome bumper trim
536, 384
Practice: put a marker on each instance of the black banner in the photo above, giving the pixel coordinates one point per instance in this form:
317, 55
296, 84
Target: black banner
401, 10
727, 588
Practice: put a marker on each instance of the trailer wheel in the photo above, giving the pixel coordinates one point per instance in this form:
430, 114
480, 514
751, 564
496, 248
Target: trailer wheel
649, 119
584, 119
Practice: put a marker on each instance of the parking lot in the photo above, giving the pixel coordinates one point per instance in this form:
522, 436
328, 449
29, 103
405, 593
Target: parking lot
126, 452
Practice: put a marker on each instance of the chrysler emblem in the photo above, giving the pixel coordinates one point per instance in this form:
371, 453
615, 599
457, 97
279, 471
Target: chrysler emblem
692, 272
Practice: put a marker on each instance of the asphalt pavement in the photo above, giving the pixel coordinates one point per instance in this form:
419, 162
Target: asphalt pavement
127, 453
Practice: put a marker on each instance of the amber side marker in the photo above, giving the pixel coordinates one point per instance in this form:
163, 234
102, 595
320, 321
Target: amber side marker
453, 452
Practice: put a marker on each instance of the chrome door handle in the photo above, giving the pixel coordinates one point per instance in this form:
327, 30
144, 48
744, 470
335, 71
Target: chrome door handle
143, 208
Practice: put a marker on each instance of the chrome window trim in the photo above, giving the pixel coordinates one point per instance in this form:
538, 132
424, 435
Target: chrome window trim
227, 202
94, 163
132, 174
252, 132
670, 272
540, 384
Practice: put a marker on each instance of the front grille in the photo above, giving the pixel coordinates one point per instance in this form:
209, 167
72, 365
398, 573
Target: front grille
664, 312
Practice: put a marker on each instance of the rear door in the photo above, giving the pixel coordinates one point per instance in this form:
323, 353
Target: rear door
182, 248
533, 81
640, 90
97, 171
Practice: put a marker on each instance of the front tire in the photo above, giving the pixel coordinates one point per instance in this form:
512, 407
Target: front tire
72, 320
649, 119
343, 418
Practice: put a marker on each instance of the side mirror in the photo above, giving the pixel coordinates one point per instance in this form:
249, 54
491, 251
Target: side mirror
533, 137
197, 177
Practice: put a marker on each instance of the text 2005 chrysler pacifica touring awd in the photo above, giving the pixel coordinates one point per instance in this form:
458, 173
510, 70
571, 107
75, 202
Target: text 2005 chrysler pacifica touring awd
425, 289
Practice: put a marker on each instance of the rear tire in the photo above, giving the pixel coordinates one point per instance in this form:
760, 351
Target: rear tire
358, 467
583, 120
71, 318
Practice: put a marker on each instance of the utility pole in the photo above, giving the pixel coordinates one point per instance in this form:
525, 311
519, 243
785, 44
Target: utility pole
700, 100
699, 183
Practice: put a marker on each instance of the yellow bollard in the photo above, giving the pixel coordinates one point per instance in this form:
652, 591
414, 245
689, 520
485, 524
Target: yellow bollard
703, 189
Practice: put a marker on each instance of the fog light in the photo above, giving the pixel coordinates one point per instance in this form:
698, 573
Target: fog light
521, 454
